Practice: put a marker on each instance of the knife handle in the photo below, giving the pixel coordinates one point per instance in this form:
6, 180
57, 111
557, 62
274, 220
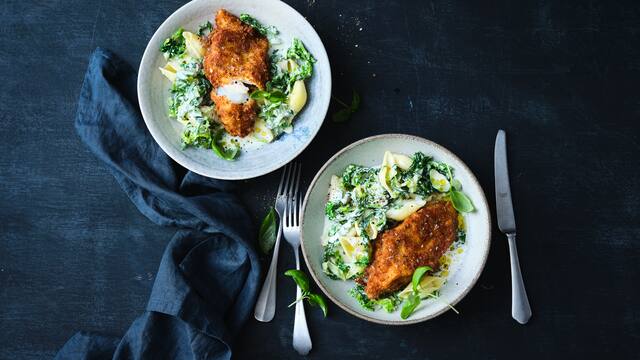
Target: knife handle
520, 309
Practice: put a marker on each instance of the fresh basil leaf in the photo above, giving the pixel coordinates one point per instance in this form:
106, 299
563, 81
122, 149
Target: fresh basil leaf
456, 184
221, 151
344, 114
341, 115
268, 230
300, 278
460, 201
276, 96
316, 299
409, 306
355, 102
259, 94
417, 275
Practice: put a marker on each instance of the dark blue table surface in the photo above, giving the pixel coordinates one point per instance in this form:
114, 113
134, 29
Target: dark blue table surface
562, 78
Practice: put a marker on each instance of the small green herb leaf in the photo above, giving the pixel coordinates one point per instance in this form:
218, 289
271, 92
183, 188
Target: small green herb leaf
316, 299
456, 184
300, 278
460, 201
276, 96
259, 94
417, 275
174, 45
268, 229
409, 306
302, 281
222, 152
355, 102
343, 115
205, 28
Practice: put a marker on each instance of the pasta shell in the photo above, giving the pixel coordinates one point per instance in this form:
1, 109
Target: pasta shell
407, 207
193, 44
298, 96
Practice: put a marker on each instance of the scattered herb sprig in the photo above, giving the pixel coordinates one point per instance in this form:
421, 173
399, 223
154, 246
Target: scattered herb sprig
268, 231
275, 96
226, 153
413, 300
460, 201
313, 299
345, 113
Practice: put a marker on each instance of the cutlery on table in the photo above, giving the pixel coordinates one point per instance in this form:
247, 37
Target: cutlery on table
291, 230
520, 309
266, 304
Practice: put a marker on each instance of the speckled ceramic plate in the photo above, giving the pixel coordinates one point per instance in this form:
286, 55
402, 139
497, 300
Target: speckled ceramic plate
153, 91
369, 152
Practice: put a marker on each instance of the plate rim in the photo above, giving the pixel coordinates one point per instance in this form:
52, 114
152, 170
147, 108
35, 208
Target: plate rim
156, 133
473, 179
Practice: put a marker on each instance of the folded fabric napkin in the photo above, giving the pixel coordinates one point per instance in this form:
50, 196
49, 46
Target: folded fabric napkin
206, 285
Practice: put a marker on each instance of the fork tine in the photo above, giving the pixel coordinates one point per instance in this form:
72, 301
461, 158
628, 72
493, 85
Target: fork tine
291, 179
285, 216
282, 179
296, 195
289, 211
296, 217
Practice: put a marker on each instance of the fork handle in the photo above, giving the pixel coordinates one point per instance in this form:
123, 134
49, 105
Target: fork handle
520, 308
301, 338
266, 305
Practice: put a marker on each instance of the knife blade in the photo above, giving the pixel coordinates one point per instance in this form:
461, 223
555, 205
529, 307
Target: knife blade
520, 308
504, 206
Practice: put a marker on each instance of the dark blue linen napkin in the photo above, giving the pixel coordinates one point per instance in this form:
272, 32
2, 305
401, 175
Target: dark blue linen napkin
206, 285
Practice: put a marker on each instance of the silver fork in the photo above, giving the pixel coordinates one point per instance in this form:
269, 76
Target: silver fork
266, 305
291, 226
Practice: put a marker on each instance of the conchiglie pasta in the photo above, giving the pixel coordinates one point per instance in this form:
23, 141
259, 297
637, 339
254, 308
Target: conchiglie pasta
353, 247
387, 170
406, 208
291, 65
403, 161
298, 96
193, 44
439, 181
169, 72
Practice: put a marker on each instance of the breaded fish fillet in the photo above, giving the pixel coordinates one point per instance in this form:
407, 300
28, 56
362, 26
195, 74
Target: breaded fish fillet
236, 52
420, 240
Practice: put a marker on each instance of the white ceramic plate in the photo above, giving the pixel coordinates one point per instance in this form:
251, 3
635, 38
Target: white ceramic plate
369, 152
153, 90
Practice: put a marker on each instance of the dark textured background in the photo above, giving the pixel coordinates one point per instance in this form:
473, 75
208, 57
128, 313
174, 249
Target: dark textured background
562, 78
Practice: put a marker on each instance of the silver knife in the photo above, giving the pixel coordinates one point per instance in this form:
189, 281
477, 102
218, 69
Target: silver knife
520, 309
